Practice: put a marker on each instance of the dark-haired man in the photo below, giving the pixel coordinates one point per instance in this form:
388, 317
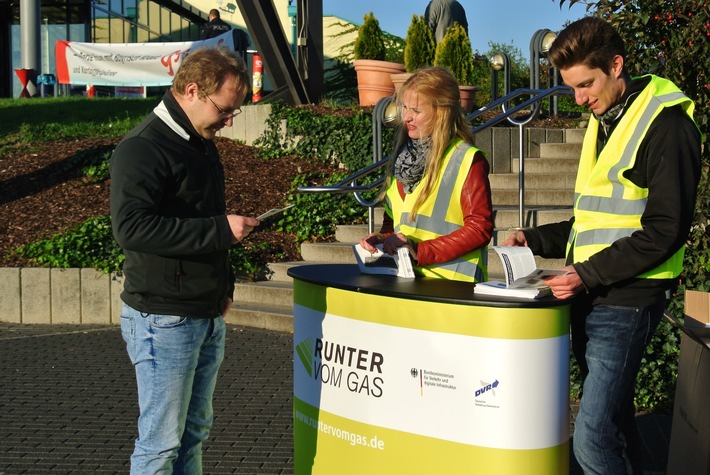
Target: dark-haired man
215, 26
634, 200
440, 15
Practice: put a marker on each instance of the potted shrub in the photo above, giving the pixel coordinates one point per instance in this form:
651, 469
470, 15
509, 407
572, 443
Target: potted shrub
373, 73
419, 49
454, 53
420, 46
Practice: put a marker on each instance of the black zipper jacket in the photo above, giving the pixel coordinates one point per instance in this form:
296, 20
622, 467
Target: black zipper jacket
668, 164
168, 214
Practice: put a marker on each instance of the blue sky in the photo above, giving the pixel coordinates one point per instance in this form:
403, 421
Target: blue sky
500, 21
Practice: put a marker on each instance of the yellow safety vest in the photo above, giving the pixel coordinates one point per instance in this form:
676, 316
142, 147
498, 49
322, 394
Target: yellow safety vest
608, 206
440, 214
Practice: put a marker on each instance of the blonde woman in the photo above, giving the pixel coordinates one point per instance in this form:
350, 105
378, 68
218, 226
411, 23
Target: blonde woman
437, 195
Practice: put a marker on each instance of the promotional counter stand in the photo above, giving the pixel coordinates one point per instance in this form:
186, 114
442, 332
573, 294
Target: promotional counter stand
420, 376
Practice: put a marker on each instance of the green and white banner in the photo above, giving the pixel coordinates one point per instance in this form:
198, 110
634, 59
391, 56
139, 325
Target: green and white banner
387, 385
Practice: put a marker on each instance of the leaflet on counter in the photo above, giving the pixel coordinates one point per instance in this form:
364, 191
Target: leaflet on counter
519, 268
379, 262
522, 277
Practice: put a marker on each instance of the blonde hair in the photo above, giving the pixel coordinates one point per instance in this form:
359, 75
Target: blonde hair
437, 86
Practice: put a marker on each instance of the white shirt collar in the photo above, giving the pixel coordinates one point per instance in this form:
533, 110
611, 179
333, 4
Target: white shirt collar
162, 112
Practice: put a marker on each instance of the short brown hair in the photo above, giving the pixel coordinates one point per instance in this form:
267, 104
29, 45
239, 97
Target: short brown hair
590, 41
208, 68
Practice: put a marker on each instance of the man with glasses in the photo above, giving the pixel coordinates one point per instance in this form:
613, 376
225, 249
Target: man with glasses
169, 215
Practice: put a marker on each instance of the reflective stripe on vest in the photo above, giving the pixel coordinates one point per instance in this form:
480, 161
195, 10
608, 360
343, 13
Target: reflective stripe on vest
609, 206
441, 214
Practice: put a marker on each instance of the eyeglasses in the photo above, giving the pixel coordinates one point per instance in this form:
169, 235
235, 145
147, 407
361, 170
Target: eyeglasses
225, 115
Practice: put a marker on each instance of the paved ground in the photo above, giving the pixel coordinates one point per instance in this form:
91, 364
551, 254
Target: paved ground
68, 404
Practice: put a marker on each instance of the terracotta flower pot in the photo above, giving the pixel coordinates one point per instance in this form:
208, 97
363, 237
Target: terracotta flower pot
468, 97
374, 79
398, 79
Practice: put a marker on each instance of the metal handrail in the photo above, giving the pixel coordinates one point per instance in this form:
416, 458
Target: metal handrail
350, 184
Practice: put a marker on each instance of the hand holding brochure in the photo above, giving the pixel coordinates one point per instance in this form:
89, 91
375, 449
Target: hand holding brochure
264, 217
379, 262
520, 269
522, 277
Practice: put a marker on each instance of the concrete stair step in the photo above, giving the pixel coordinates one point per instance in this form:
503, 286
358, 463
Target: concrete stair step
352, 233
270, 317
560, 150
505, 217
278, 271
533, 181
275, 293
510, 217
328, 252
575, 135
533, 198
546, 165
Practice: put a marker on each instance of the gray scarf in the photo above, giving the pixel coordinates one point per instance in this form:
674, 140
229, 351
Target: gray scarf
608, 118
410, 163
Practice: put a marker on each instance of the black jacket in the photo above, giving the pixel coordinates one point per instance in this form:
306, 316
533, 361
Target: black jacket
668, 164
214, 28
168, 213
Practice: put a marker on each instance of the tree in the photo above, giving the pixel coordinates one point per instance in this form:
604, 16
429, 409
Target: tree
370, 41
519, 71
420, 46
454, 53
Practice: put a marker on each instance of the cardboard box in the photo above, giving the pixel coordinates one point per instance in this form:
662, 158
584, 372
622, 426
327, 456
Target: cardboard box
689, 451
697, 309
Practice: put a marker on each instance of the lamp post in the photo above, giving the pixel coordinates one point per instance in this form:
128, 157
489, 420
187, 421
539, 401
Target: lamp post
540, 45
500, 62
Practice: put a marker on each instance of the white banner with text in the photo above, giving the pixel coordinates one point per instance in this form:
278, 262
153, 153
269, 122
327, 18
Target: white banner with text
126, 64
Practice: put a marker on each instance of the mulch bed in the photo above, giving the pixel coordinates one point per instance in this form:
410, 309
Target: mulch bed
43, 192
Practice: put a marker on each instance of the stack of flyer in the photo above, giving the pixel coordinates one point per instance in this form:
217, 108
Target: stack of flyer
522, 277
379, 262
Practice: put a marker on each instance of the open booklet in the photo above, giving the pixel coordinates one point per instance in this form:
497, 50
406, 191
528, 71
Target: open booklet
522, 277
379, 262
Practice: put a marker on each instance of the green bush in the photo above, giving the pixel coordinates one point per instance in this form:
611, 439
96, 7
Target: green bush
93, 162
394, 48
420, 46
370, 41
454, 53
519, 73
245, 258
89, 244
315, 215
338, 139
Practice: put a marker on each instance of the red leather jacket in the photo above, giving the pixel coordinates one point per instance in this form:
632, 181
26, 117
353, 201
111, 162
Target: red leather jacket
478, 220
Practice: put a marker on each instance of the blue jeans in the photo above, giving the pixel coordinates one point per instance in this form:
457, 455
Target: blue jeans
608, 343
176, 361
